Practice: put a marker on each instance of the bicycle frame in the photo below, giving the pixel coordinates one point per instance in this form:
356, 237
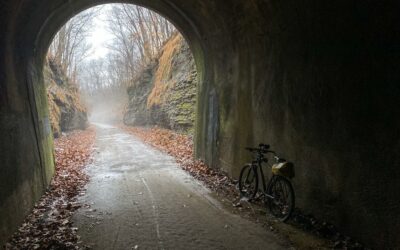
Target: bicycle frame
258, 164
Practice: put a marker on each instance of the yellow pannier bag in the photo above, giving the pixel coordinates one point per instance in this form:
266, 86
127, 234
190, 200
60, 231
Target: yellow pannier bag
285, 169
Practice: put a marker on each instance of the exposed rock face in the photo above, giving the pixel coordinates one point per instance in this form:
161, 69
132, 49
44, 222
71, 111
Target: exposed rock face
165, 93
66, 110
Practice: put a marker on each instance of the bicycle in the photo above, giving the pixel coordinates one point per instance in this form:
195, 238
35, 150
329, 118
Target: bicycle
278, 193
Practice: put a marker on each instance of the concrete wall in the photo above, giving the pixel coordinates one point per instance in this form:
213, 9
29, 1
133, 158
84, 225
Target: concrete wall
317, 80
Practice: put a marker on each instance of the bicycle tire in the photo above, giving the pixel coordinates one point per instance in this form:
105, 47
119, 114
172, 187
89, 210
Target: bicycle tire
283, 203
248, 182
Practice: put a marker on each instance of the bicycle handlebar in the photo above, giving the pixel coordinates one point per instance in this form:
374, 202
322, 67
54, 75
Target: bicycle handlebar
263, 149
260, 150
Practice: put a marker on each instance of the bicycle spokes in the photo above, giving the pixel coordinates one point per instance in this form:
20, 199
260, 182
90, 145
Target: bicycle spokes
282, 202
248, 182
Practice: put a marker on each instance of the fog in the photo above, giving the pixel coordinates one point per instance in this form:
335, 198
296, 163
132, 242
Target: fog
107, 107
104, 49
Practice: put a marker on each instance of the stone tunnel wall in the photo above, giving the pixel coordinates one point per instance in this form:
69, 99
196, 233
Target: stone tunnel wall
317, 80
26, 142
320, 85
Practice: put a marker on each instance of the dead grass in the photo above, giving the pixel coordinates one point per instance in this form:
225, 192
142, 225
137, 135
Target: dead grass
162, 80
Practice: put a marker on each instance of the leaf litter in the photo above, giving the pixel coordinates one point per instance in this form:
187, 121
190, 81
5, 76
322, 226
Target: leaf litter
49, 225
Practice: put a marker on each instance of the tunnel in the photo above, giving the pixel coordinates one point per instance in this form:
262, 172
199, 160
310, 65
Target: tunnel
319, 81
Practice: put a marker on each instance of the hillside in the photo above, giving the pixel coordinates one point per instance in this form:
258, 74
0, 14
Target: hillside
66, 109
165, 93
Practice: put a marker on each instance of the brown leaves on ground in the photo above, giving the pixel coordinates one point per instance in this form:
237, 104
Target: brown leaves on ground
49, 225
181, 147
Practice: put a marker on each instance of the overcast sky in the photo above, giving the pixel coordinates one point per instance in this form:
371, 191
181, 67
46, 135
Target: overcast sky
99, 36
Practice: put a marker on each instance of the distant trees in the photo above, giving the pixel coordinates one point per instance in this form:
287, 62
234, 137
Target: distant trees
93, 76
69, 47
138, 36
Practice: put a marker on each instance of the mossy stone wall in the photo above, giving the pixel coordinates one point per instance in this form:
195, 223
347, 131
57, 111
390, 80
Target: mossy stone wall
176, 106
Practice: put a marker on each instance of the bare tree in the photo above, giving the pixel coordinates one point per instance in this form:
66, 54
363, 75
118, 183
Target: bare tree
138, 36
69, 47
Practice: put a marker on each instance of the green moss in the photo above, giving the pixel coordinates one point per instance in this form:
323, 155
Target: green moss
186, 106
181, 118
44, 130
176, 95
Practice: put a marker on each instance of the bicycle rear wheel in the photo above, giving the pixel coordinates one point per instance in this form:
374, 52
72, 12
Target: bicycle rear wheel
283, 202
248, 182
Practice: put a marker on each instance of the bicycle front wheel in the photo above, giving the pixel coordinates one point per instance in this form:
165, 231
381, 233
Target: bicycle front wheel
248, 182
282, 203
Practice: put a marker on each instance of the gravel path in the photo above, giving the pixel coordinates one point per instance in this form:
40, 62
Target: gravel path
140, 199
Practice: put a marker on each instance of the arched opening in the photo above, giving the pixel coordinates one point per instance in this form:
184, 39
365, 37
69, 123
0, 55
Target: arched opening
43, 38
129, 65
62, 13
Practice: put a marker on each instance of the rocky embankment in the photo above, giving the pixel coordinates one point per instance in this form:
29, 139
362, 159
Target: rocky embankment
66, 109
164, 94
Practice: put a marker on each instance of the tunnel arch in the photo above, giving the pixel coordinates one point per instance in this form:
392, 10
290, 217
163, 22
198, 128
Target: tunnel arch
63, 13
60, 12
66, 11
59, 16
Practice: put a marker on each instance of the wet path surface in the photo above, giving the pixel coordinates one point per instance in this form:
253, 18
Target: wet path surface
140, 199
